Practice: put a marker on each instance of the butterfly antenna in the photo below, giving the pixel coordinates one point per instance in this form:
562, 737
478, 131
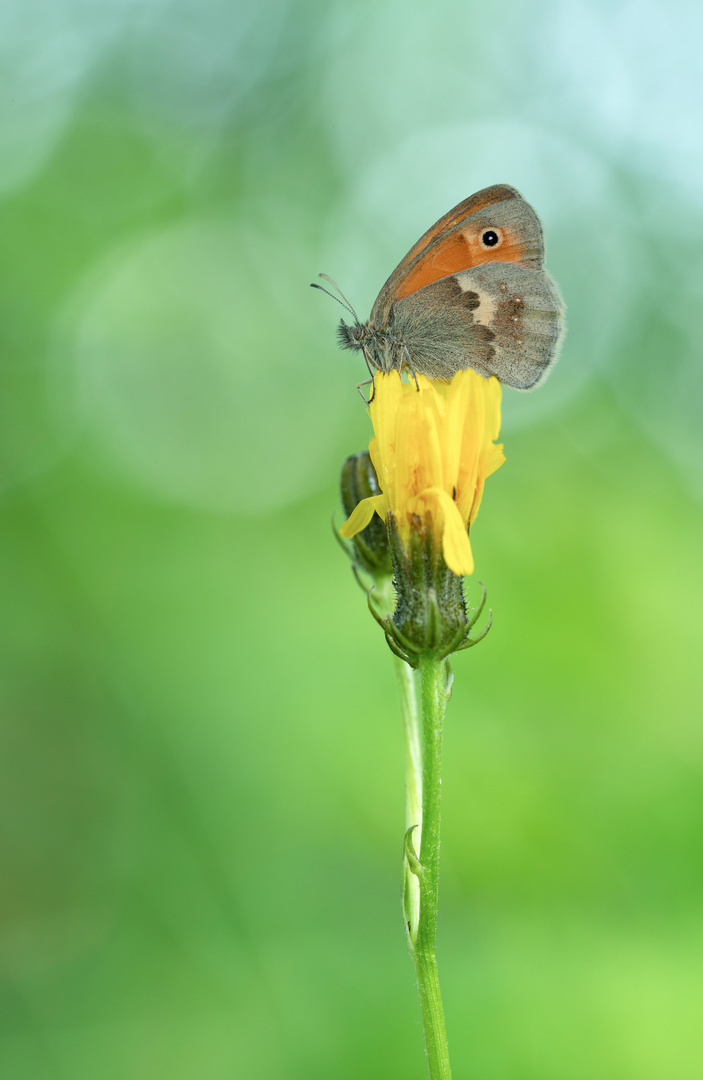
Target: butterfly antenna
347, 306
335, 286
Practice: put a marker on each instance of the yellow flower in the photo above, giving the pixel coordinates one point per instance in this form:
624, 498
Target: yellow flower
432, 451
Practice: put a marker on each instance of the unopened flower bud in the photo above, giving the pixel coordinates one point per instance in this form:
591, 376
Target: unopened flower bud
371, 550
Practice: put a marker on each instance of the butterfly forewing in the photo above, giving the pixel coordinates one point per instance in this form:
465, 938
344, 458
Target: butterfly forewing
458, 213
495, 225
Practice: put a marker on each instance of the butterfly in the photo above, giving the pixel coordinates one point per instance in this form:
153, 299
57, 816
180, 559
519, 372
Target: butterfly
471, 293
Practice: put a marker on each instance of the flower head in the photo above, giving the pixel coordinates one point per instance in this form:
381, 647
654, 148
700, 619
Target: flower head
433, 448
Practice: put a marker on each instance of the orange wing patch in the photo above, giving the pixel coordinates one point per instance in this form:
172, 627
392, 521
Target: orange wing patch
462, 250
478, 201
444, 259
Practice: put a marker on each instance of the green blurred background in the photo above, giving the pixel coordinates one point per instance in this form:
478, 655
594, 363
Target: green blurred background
201, 761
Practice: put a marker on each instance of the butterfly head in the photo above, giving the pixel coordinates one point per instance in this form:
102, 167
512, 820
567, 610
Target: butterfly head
353, 335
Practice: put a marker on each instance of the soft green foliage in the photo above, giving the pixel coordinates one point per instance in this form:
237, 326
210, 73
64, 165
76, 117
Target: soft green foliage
201, 754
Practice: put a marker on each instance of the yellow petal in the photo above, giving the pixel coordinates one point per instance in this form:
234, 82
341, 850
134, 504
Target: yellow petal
361, 515
456, 547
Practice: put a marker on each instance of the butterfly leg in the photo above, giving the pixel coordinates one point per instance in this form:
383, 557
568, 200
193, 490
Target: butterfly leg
366, 383
412, 369
371, 368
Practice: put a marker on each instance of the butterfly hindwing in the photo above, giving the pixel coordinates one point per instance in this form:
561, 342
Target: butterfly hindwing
501, 319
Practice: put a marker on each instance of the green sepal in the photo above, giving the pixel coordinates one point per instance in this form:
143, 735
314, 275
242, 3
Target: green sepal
430, 617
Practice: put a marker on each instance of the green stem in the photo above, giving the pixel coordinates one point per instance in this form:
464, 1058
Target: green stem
423, 721
407, 686
433, 691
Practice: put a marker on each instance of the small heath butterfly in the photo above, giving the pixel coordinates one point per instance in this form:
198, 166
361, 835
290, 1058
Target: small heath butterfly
470, 293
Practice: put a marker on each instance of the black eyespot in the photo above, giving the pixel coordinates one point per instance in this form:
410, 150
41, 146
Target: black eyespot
490, 238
